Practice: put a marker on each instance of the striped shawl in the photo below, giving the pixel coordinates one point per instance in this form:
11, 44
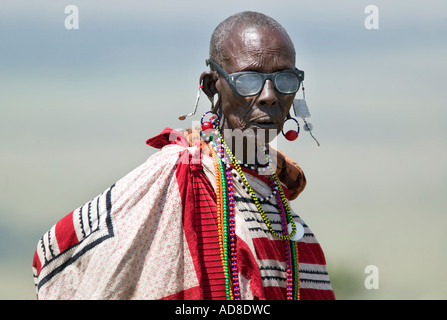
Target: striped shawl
153, 235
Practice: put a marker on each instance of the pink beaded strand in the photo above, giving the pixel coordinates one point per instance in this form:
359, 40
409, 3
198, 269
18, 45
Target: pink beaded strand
231, 225
232, 234
289, 262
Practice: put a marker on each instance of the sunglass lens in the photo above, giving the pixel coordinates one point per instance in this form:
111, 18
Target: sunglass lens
248, 84
287, 82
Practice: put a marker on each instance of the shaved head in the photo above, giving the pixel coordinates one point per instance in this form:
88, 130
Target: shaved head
242, 20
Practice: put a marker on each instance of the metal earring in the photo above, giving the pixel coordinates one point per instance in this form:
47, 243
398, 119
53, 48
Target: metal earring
183, 117
291, 135
302, 110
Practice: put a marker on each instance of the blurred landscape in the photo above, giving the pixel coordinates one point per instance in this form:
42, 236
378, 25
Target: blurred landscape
76, 107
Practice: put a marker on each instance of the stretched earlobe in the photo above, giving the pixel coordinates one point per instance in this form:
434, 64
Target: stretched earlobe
208, 80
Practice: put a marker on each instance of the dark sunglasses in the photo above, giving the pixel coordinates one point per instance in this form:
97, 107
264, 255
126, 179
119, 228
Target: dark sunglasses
250, 83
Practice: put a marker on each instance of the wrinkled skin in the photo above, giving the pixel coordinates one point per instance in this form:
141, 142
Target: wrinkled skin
252, 49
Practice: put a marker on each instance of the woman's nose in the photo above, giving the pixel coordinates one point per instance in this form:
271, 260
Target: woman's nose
268, 97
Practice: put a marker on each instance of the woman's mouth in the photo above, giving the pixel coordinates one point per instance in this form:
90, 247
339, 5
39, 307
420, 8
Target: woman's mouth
264, 123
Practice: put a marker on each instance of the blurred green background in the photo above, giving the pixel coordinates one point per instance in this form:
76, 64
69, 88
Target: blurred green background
76, 107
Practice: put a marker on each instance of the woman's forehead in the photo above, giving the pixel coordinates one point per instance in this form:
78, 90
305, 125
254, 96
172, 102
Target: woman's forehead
257, 47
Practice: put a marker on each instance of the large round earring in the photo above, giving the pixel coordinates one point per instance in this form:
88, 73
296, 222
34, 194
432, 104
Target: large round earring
291, 135
211, 123
208, 127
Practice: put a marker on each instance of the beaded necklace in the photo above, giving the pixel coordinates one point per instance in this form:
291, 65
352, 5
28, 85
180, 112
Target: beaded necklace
226, 221
256, 200
226, 218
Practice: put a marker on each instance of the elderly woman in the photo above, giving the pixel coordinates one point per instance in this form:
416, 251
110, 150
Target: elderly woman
202, 218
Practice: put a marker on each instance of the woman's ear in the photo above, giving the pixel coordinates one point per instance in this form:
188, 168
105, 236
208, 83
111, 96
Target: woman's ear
208, 80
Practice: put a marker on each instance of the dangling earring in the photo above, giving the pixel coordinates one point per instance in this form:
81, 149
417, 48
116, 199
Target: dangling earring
291, 135
183, 117
301, 110
207, 127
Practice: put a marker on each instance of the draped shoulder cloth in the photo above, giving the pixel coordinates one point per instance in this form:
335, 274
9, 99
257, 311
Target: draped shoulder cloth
153, 235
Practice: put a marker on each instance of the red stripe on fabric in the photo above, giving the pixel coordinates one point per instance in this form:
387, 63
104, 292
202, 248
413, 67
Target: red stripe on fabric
65, 233
185, 190
200, 228
167, 136
311, 253
249, 268
208, 241
212, 246
278, 293
208, 228
36, 263
269, 249
308, 253
275, 293
215, 264
314, 294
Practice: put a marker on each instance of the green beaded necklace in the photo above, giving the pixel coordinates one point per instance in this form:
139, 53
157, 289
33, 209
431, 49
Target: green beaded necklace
255, 198
229, 259
226, 214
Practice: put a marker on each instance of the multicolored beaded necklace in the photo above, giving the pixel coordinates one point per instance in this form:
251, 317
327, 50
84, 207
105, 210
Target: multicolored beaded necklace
224, 162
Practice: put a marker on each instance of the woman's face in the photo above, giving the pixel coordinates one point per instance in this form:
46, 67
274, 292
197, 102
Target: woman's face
262, 50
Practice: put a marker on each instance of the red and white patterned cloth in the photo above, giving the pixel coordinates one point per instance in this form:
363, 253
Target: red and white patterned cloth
153, 235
